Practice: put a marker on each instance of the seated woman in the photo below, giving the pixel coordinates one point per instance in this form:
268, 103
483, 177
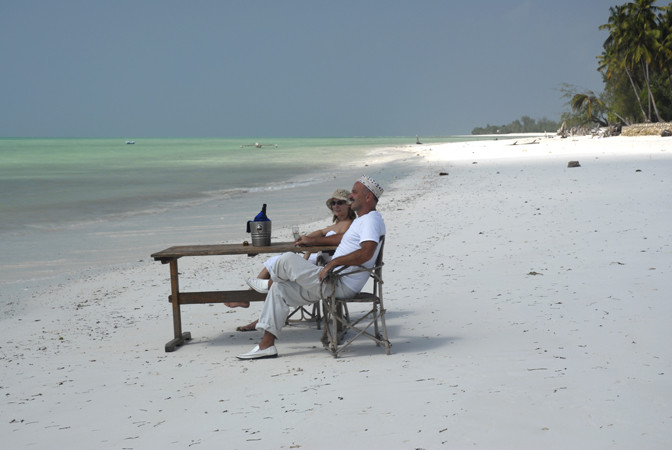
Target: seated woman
339, 204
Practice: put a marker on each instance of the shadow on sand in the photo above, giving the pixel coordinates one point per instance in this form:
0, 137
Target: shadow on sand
303, 338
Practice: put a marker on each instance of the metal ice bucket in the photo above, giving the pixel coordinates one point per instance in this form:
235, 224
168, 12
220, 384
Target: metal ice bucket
261, 233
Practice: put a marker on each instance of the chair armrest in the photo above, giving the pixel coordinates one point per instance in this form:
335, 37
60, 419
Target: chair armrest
335, 274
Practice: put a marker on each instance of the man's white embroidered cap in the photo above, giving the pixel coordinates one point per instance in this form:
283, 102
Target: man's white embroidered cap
371, 185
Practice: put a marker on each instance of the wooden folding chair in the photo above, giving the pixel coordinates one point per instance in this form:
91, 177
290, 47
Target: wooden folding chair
337, 320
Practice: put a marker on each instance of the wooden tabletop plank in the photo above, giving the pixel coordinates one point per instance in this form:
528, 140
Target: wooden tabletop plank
179, 251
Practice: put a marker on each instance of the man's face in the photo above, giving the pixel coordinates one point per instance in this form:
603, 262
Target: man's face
357, 196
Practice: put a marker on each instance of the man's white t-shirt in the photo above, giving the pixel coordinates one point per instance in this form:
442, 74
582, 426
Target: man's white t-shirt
369, 227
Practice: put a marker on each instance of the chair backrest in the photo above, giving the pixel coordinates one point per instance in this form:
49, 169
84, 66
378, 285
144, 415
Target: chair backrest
377, 272
379, 260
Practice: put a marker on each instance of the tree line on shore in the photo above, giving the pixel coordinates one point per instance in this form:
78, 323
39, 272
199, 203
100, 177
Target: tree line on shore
524, 125
636, 68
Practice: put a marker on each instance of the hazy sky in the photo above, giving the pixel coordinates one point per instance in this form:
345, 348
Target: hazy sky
273, 68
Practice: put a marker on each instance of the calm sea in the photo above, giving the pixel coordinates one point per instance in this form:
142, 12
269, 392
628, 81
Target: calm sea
66, 204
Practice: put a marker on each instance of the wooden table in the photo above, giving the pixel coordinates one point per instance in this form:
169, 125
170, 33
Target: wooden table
177, 298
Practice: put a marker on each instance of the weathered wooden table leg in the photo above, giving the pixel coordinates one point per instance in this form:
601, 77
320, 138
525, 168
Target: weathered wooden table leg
179, 337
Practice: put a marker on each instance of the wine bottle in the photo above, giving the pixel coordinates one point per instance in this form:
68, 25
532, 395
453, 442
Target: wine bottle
262, 217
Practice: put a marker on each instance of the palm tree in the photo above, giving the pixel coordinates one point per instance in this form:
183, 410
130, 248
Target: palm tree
633, 45
612, 59
664, 56
645, 42
587, 103
592, 107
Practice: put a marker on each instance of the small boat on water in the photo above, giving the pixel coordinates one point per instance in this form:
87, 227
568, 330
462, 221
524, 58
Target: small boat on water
130, 142
258, 145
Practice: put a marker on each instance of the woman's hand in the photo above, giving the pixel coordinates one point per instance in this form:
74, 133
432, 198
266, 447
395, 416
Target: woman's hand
305, 241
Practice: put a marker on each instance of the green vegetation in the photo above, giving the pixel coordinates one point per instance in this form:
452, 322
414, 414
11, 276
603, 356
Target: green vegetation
636, 67
524, 125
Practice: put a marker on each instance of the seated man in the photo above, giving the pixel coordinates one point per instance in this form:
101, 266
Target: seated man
297, 282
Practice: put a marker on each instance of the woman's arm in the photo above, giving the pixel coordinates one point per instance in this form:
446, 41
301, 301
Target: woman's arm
308, 241
318, 233
339, 228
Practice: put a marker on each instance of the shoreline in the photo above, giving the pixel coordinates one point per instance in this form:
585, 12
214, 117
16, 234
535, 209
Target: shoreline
211, 217
92, 244
527, 304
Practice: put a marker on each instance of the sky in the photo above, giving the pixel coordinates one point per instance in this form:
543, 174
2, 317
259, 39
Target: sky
268, 68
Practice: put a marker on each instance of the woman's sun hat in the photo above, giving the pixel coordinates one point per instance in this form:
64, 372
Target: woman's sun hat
339, 194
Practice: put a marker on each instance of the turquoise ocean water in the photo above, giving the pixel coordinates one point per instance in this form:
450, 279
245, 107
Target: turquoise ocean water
68, 204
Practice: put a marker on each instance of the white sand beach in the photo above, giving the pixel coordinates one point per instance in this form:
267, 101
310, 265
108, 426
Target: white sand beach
528, 306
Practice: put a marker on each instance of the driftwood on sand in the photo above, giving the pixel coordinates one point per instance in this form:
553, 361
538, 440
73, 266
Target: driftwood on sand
533, 141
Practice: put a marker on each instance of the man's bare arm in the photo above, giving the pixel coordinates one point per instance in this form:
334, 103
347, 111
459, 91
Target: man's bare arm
355, 258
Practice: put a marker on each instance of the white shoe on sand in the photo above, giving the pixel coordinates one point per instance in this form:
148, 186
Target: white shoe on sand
258, 285
255, 353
